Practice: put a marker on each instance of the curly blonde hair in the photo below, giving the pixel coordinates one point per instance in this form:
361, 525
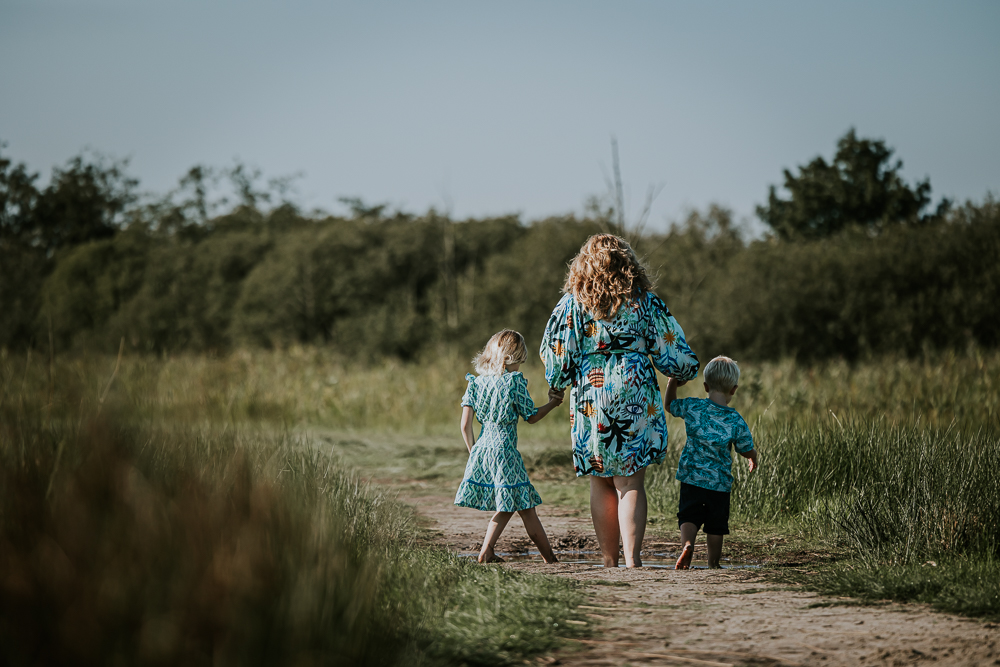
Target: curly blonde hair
504, 347
605, 274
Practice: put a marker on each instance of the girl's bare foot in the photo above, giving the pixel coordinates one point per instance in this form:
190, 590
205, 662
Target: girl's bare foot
684, 560
490, 557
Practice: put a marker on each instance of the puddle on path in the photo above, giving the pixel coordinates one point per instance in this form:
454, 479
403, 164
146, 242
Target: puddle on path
663, 561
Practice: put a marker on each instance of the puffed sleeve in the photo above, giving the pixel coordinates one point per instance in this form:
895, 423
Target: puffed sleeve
470, 392
523, 404
561, 343
743, 440
668, 349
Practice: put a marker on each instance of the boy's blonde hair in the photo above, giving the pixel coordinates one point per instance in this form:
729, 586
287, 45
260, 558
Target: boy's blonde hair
722, 374
505, 347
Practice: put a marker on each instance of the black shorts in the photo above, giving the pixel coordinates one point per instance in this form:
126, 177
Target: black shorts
704, 507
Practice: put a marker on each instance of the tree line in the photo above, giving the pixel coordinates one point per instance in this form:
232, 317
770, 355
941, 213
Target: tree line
857, 262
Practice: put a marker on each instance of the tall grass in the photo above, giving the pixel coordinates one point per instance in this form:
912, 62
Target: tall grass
899, 493
129, 538
317, 386
894, 493
918, 507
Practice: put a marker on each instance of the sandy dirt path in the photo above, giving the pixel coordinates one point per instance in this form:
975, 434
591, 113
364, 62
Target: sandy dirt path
712, 617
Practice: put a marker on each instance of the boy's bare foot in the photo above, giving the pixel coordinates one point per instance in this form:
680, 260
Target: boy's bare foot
684, 560
552, 560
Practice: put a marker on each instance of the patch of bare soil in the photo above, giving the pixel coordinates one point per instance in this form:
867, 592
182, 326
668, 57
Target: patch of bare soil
717, 617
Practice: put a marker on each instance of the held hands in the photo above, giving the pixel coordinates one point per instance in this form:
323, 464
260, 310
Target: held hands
751, 457
556, 396
670, 395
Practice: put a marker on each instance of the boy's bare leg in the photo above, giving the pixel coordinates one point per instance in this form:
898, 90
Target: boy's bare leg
632, 515
493, 532
714, 549
537, 534
604, 512
689, 533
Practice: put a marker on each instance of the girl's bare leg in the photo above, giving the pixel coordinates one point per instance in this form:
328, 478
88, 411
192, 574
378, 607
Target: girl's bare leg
604, 512
632, 515
689, 533
714, 549
537, 534
493, 531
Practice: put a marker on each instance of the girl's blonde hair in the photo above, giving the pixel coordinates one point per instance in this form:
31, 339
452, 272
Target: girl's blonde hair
506, 347
605, 274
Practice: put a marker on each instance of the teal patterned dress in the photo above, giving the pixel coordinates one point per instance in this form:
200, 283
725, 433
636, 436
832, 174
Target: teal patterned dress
495, 479
616, 412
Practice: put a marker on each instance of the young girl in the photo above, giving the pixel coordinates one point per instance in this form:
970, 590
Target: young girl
495, 479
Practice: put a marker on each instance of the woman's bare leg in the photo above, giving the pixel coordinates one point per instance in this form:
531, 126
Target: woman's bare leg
493, 532
604, 512
537, 534
631, 492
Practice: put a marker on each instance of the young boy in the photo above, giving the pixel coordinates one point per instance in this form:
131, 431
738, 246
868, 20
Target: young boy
705, 468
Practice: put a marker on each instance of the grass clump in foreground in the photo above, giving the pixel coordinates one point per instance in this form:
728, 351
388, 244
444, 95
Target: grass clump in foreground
126, 542
967, 587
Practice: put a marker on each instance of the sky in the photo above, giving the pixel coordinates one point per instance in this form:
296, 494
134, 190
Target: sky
483, 109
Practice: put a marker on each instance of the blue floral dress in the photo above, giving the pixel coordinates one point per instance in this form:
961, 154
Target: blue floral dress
495, 478
616, 412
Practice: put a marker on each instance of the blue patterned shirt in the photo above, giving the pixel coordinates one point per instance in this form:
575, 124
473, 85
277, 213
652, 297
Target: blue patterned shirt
712, 429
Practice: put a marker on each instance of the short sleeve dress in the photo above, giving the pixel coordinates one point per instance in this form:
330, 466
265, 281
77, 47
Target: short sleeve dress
616, 412
495, 478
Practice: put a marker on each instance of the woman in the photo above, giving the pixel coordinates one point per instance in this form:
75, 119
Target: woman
604, 338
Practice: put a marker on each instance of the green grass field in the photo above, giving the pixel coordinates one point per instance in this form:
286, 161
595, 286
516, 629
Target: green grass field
197, 506
313, 386
142, 523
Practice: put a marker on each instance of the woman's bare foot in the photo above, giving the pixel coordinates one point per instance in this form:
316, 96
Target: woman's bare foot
684, 560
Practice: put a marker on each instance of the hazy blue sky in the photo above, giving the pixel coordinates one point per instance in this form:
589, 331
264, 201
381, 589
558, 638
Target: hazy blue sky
504, 107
